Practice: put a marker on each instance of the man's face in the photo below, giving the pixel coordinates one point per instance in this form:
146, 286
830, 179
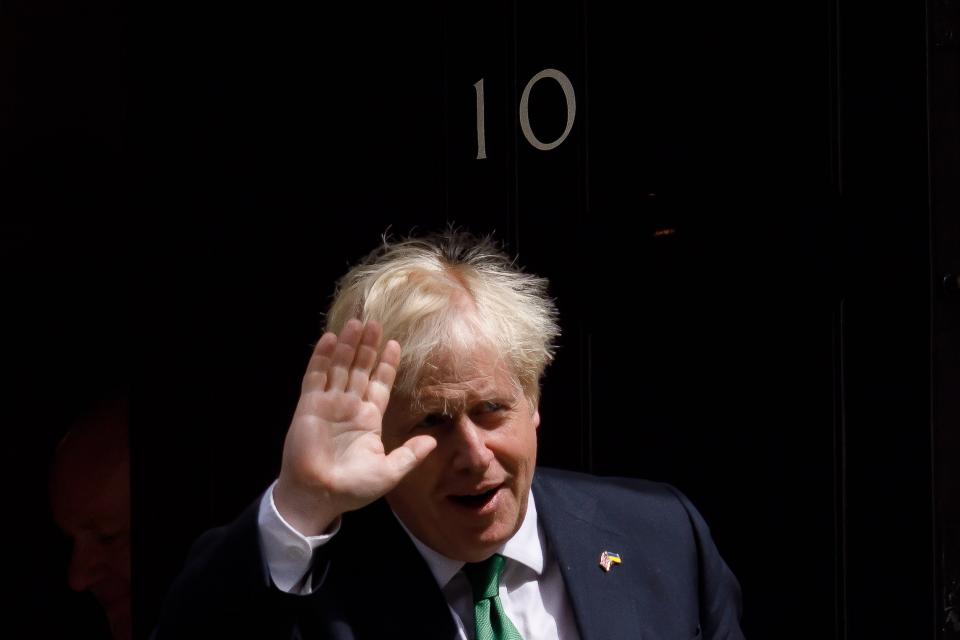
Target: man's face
470, 494
100, 561
90, 500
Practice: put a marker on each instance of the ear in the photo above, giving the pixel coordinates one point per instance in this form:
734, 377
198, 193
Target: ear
536, 418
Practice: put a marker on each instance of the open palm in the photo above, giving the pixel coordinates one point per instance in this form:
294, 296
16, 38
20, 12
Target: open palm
333, 457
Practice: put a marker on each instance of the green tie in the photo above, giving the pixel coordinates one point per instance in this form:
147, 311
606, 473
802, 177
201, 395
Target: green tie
491, 622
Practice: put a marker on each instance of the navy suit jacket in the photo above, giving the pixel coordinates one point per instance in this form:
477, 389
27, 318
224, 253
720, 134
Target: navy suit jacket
370, 582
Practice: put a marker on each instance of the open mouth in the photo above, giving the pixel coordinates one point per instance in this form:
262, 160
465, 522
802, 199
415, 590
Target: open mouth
478, 501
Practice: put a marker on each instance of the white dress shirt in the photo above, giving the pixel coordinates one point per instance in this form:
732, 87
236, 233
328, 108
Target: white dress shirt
531, 587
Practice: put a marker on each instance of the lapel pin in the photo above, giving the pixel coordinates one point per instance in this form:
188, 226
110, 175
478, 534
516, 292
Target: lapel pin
608, 559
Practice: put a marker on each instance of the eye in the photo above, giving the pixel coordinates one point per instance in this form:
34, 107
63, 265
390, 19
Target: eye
488, 410
490, 406
432, 420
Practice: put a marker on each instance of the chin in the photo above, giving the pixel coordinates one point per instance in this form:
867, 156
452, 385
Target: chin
475, 546
473, 549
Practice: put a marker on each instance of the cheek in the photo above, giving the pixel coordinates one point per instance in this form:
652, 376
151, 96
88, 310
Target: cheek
518, 450
530, 444
425, 475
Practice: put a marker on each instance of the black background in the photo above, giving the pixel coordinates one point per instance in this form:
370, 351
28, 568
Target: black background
737, 231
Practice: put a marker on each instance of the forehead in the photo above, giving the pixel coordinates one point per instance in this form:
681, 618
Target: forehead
473, 373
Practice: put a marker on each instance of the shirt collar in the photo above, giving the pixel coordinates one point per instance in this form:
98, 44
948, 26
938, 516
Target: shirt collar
525, 547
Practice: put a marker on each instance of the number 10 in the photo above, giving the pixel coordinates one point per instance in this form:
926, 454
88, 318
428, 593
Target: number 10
568, 93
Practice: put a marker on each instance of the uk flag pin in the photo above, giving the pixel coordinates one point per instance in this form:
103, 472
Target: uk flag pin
608, 559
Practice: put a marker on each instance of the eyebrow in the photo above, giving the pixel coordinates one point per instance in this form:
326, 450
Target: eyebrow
457, 402
440, 405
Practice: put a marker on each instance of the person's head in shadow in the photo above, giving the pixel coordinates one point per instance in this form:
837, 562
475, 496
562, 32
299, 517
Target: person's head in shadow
90, 500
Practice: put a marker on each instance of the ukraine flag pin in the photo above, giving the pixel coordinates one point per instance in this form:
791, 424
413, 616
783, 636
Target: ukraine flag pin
608, 559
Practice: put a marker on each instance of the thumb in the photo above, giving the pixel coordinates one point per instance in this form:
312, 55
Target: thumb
406, 457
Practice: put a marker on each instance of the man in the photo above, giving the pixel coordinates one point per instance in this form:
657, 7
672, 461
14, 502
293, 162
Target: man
90, 501
408, 505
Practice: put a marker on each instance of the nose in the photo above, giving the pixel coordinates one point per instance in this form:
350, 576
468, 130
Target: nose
472, 454
86, 563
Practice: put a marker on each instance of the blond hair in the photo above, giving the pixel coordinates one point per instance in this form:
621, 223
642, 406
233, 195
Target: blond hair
446, 293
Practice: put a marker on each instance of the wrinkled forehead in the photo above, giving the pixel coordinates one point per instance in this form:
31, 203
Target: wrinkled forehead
459, 376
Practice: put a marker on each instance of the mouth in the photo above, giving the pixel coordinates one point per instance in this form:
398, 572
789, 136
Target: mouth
479, 503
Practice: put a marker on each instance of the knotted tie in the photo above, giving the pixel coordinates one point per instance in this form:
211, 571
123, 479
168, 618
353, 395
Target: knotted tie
491, 621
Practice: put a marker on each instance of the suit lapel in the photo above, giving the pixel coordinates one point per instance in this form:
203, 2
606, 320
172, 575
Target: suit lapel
603, 602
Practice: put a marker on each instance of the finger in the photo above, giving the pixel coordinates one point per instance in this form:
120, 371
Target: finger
343, 354
365, 359
381, 383
315, 378
406, 457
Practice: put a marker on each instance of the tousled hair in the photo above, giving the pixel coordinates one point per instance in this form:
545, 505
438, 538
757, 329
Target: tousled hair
443, 294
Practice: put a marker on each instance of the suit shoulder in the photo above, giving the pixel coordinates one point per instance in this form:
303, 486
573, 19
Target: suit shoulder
603, 484
644, 496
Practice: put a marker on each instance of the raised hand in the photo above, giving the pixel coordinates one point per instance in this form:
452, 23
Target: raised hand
333, 457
